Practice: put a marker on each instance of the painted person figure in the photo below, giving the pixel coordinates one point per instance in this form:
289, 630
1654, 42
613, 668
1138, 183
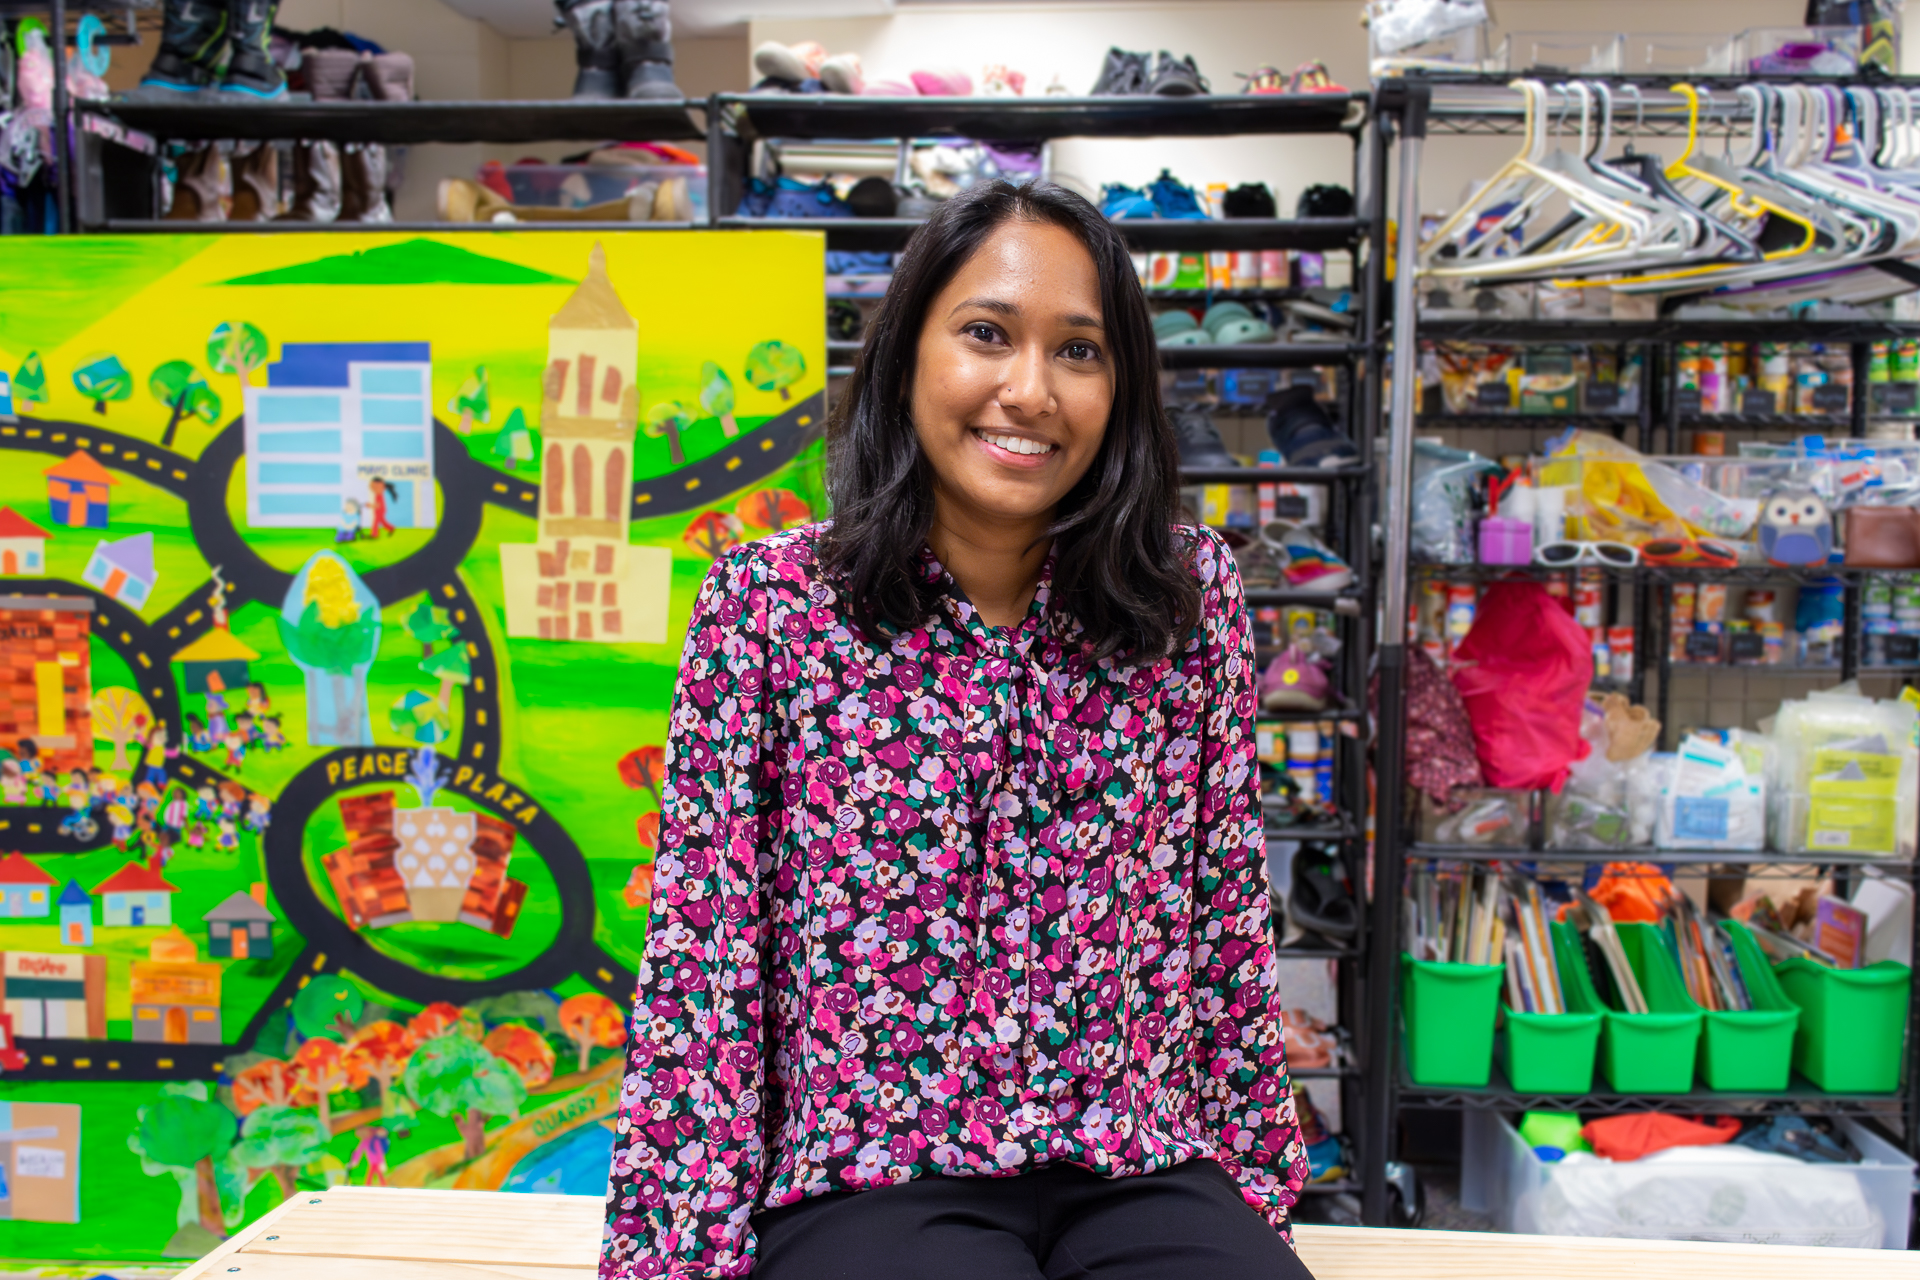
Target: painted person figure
381, 493
349, 530
373, 1151
961, 963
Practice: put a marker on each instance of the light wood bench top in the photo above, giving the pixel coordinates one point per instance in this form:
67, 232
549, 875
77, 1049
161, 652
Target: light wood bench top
384, 1233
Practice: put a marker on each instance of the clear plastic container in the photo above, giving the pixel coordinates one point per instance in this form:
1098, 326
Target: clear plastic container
575, 186
1800, 51
1467, 48
1661, 55
1483, 817
1563, 52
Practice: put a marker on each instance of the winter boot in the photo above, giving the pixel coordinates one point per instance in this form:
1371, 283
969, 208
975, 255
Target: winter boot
316, 183
643, 34
251, 72
330, 73
256, 184
192, 34
591, 22
196, 187
363, 183
389, 76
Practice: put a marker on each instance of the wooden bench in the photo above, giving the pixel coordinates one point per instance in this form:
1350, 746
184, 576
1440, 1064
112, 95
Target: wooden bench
383, 1233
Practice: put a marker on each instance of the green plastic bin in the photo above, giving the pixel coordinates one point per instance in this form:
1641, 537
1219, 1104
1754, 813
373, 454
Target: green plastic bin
1639, 1052
1750, 1050
1449, 1011
1853, 1023
1553, 1052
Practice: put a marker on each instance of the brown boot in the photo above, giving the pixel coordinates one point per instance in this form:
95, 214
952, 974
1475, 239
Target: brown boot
256, 184
330, 73
197, 187
363, 183
316, 183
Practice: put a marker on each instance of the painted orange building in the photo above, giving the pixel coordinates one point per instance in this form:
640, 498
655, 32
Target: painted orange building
46, 677
175, 996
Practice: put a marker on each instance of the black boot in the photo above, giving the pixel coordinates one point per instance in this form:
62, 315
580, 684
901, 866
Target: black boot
643, 34
192, 33
591, 22
251, 72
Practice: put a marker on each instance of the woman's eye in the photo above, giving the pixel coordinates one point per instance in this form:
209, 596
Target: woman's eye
1081, 351
982, 332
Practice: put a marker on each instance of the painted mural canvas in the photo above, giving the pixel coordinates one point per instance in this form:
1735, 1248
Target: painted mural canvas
342, 584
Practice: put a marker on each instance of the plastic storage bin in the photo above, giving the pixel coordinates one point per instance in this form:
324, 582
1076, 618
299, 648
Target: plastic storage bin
1484, 817
1550, 1052
1853, 1023
1639, 1052
1663, 55
1863, 1205
1449, 1010
1563, 52
1800, 51
574, 186
1752, 1049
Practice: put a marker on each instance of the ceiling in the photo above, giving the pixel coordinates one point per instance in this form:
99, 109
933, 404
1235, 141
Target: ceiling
529, 19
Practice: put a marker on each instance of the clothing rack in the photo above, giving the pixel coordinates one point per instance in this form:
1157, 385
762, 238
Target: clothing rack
1408, 112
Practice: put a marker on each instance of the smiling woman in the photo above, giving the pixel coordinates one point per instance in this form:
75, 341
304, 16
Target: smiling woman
960, 964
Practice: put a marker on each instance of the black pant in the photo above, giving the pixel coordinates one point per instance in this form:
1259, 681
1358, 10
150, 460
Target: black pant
1059, 1223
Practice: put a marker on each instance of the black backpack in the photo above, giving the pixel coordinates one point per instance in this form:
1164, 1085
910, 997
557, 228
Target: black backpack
1324, 201
1250, 200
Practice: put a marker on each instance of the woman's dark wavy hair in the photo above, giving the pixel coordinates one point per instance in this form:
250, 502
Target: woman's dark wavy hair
1121, 567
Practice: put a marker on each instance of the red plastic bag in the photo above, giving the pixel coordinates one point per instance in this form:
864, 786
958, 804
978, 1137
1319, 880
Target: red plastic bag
1524, 672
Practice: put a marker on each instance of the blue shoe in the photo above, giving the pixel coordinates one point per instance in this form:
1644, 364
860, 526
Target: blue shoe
1172, 199
1117, 201
755, 200
795, 199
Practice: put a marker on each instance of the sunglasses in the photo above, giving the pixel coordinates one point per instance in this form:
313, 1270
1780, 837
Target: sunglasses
1705, 552
1565, 555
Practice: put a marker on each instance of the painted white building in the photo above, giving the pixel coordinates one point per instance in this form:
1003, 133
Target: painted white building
332, 417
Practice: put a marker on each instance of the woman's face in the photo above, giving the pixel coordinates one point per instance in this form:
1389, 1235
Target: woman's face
1014, 381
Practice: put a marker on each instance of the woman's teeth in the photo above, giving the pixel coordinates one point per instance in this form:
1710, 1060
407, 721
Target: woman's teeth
1015, 444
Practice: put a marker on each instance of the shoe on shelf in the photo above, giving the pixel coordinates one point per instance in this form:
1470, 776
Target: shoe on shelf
755, 199
1250, 200
842, 74
169, 78
873, 197
1178, 328
1258, 569
192, 37
251, 76
1199, 439
843, 320
1173, 199
1320, 898
198, 186
1231, 324
1324, 200
1000, 81
1295, 680
1304, 432
1307, 563
795, 199
256, 184
316, 184
891, 89
388, 76
777, 61
596, 54
1177, 78
1264, 80
1117, 201
943, 82
1123, 74
1312, 77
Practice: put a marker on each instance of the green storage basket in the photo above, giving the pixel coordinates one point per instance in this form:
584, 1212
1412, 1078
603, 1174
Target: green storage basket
1853, 1023
1449, 1020
1550, 1052
1750, 1051
1639, 1052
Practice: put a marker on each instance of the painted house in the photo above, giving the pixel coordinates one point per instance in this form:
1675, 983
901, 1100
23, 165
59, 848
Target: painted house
46, 677
333, 416
135, 895
123, 569
241, 928
78, 492
175, 996
23, 545
25, 890
215, 663
76, 916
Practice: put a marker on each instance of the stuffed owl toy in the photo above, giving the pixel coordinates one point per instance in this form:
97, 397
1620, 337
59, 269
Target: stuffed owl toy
1796, 528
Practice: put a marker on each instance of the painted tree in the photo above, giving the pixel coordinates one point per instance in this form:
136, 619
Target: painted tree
716, 396
472, 400
713, 533
102, 378
436, 1019
328, 1008
646, 829
456, 1077
523, 1049
592, 1021
324, 1068
184, 1134
429, 625
380, 1050
331, 628
638, 890
236, 347
179, 386
120, 716
271, 1083
774, 509
281, 1141
514, 444
530, 1007
775, 366
452, 667
643, 769
420, 716
669, 418
30, 382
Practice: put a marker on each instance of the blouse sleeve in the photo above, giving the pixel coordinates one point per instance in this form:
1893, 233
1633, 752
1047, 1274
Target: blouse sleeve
1245, 1098
688, 1152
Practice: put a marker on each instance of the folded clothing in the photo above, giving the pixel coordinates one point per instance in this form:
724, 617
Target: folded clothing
1631, 1136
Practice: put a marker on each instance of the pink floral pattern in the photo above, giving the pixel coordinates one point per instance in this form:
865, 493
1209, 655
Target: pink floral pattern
962, 903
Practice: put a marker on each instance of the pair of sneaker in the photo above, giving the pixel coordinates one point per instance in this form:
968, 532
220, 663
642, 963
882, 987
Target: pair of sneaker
1125, 74
790, 198
1309, 77
806, 68
1165, 197
1224, 324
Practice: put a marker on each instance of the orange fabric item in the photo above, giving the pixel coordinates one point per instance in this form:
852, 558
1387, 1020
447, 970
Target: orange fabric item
1633, 892
1645, 1132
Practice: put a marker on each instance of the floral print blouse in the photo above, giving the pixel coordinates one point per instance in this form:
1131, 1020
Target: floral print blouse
962, 903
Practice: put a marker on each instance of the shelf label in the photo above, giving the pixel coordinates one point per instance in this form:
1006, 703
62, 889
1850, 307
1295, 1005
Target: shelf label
1493, 395
1686, 401
1759, 403
1832, 399
1602, 397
